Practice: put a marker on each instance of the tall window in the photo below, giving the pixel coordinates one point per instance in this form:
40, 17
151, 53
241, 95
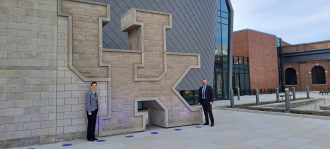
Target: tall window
290, 76
241, 76
221, 67
318, 75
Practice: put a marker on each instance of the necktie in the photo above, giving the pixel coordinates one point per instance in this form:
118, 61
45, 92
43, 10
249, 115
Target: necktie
203, 92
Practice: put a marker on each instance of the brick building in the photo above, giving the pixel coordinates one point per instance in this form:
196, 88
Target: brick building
307, 64
256, 51
272, 63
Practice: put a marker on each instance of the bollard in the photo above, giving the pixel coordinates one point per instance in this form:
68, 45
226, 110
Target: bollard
257, 96
238, 94
314, 105
307, 91
293, 93
287, 100
277, 95
231, 98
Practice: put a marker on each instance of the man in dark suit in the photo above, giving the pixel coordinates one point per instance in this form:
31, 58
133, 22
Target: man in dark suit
206, 100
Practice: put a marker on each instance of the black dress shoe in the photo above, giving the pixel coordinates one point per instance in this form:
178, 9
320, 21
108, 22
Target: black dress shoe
95, 139
206, 124
90, 139
212, 125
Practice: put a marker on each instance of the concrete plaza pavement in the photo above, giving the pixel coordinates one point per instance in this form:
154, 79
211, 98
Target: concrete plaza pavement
234, 129
267, 97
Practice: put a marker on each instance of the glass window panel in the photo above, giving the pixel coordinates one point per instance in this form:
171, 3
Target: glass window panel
218, 40
218, 58
224, 21
219, 20
290, 76
225, 58
235, 60
223, 5
242, 82
219, 84
140, 105
225, 35
240, 60
218, 33
224, 52
247, 81
224, 14
245, 60
318, 75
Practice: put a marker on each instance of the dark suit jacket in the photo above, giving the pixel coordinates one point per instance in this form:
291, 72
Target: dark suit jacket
208, 93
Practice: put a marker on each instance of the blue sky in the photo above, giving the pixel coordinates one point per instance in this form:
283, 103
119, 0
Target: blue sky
295, 21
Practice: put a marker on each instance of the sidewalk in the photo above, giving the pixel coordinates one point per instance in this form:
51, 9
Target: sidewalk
233, 129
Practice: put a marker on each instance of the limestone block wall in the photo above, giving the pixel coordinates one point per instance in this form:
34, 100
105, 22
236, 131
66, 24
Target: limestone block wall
28, 65
84, 20
70, 105
42, 100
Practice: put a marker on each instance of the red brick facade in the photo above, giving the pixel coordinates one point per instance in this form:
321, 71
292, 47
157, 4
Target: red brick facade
305, 47
261, 50
304, 70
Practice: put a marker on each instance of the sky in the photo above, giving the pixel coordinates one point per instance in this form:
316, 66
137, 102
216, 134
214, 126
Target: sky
295, 21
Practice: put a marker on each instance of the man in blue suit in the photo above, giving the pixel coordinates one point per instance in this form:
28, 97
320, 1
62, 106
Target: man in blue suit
91, 110
206, 100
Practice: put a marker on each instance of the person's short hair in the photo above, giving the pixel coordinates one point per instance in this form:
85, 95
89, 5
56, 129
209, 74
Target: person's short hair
93, 83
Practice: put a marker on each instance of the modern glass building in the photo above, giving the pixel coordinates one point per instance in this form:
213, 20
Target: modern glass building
223, 52
223, 58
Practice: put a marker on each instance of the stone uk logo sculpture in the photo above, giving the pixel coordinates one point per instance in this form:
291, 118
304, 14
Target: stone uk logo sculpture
145, 72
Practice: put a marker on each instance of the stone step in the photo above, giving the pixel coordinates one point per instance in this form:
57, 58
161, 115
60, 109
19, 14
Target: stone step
325, 107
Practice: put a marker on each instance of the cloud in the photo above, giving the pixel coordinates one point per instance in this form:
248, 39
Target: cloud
295, 21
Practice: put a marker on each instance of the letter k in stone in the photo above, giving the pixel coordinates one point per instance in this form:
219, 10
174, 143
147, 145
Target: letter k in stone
147, 72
